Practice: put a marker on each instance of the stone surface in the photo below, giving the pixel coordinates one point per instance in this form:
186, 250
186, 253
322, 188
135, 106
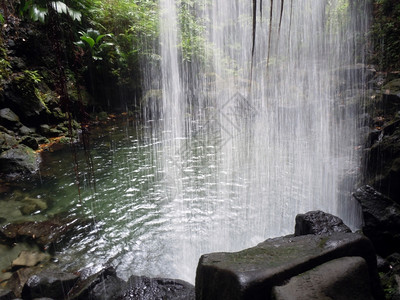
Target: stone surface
18, 279
391, 96
251, 273
6, 294
26, 130
32, 205
46, 234
110, 287
30, 142
30, 259
140, 287
342, 279
8, 118
19, 160
6, 141
381, 220
318, 222
50, 284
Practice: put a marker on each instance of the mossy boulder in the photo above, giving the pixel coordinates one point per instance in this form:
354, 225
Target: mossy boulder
252, 273
7, 141
19, 160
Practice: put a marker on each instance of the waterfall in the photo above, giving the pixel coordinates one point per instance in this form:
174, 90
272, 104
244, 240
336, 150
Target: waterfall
244, 141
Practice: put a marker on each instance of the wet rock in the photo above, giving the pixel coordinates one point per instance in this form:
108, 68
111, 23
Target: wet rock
6, 294
48, 131
46, 234
319, 222
19, 160
382, 161
6, 141
49, 284
381, 220
42, 140
30, 142
111, 287
8, 118
252, 273
391, 96
4, 276
343, 278
33, 205
19, 278
26, 130
141, 287
84, 286
29, 259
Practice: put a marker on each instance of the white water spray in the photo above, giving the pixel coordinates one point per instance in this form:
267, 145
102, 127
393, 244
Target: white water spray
241, 151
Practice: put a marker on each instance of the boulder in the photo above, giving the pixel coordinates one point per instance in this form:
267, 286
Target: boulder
141, 287
51, 284
46, 234
19, 278
381, 220
87, 282
253, 272
26, 130
6, 141
32, 205
391, 96
383, 161
320, 223
19, 160
8, 118
30, 142
343, 278
6, 294
110, 287
29, 259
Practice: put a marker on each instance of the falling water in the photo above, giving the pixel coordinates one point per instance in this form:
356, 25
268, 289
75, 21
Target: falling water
243, 142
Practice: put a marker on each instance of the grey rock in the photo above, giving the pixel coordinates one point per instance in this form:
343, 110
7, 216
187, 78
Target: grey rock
49, 233
8, 117
381, 220
30, 258
251, 273
32, 205
7, 141
319, 222
6, 294
30, 142
51, 284
19, 160
84, 286
111, 287
26, 130
145, 288
344, 278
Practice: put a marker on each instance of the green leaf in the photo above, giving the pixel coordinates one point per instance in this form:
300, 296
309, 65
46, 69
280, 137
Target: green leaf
1, 19
99, 38
38, 13
88, 40
62, 8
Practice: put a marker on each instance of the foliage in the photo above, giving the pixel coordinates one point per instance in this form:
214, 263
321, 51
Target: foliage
192, 31
92, 39
39, 10
386, 34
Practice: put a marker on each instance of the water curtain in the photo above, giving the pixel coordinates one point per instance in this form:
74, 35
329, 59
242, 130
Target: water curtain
249, 136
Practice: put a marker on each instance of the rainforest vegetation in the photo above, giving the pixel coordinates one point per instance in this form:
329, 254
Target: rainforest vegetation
91, 51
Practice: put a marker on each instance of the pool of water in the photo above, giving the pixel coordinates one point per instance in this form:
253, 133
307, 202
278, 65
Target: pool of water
158, 203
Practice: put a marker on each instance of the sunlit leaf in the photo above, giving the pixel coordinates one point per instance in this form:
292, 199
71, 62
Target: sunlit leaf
88, 40
38, 13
